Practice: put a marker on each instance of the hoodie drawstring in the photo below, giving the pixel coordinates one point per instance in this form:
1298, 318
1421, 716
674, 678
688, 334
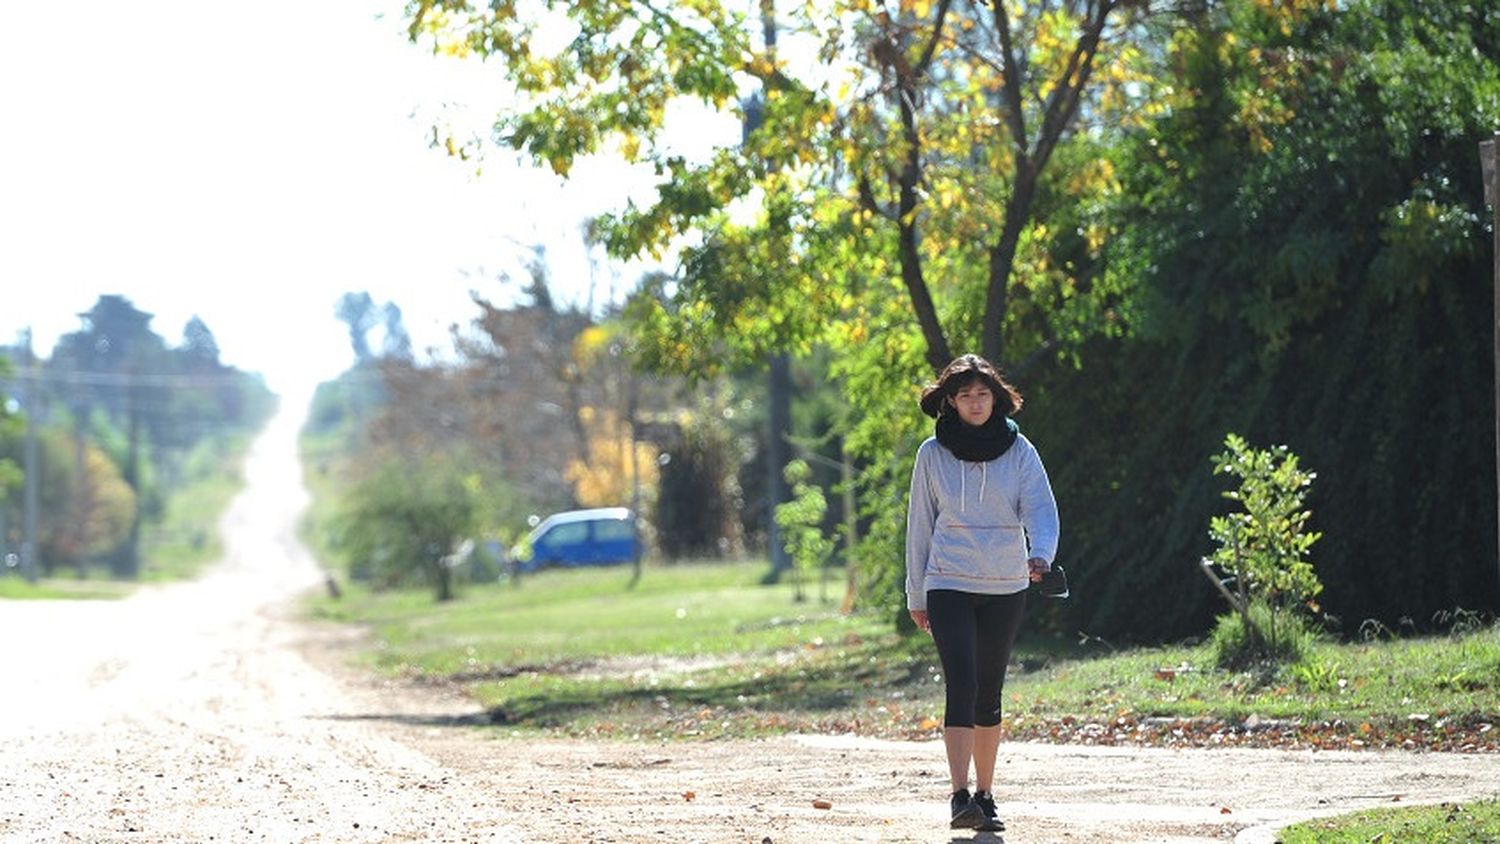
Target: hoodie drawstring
963, 485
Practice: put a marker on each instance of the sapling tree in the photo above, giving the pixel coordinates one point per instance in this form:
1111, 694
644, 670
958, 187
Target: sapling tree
801, 521
1264, 546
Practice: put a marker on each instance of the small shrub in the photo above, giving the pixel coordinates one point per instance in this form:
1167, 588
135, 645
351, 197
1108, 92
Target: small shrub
1237, 646
1263, 547
801, 521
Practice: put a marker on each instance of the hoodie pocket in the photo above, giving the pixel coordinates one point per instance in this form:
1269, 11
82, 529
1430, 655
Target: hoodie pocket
979, 552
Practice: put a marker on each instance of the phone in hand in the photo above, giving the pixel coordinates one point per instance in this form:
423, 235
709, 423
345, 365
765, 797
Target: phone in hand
1054, 583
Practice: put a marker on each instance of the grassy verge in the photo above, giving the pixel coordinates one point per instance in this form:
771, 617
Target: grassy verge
1437, 692
1447, 823
321, 458
705, 650
187, 537
16, 588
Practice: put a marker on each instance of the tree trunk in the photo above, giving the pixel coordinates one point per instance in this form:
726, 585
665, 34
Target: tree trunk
442, 580
1002, 263
938, 353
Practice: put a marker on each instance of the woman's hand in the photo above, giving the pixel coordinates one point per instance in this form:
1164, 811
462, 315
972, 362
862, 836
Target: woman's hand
919, 618
1038, 567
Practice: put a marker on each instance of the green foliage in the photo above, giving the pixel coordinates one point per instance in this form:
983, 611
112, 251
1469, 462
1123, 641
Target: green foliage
401, 523
124, 413
1266, 543
12, 425
801, 522
698, 496
343, 406
1305, 224
186, 537
935, 192
1241, 640
1271, 224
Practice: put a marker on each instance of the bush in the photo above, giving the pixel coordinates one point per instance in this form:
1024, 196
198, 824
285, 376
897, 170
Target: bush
1237, 647
1263, 547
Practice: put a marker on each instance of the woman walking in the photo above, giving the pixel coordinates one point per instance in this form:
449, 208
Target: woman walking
981, 524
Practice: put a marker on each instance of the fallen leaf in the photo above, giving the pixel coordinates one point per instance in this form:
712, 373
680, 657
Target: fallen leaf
1225, 810
689, 796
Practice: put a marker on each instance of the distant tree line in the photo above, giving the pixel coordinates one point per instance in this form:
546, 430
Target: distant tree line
538, 408
122, 419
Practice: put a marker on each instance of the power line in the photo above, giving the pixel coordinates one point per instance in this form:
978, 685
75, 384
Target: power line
80, 377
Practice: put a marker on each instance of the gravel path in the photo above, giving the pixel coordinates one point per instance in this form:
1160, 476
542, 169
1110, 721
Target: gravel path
205, 712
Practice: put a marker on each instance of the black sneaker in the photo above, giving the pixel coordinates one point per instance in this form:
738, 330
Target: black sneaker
986, 803
966, 813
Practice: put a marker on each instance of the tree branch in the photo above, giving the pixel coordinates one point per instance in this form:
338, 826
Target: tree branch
868, 201
937, 31
938, 354
1014, 79
1063, 103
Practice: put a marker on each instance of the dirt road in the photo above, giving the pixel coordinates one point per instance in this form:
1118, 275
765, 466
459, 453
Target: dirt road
205, 712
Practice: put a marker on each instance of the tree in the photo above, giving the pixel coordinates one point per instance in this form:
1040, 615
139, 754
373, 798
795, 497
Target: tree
521, 367
802, 520
199, 345
698, 496
143, 406
403, 522
111, 358
1304, 222
358, 311
901, 206
12, 476
1263, 545
937, 142
619, 463
397, 343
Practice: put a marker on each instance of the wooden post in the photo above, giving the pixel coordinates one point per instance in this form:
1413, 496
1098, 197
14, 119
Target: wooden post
1487, 163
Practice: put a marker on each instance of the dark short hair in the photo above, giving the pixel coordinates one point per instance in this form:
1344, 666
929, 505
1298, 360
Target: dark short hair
963, 371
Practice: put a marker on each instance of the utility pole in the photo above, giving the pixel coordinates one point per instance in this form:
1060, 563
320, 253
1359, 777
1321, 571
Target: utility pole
1488, 151
31, 403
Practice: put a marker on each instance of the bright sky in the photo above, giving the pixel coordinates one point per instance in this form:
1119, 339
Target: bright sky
251, 162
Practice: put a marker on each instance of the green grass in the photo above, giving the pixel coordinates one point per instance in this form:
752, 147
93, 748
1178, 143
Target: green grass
16, 588
1447, 823
1457, 673
320, 472
187, 537
705, 650
587, 615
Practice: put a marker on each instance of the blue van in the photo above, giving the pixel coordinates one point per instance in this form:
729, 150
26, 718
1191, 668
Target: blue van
599, 537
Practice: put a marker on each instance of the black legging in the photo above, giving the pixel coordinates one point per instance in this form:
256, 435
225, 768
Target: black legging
974, 634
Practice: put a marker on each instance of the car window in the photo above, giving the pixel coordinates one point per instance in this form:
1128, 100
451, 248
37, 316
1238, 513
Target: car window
567, 534
612, 530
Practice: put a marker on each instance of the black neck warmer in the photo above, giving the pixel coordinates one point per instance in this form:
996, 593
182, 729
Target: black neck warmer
976, 445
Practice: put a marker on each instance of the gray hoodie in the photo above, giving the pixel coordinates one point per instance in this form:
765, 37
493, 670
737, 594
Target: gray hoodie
972, 526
